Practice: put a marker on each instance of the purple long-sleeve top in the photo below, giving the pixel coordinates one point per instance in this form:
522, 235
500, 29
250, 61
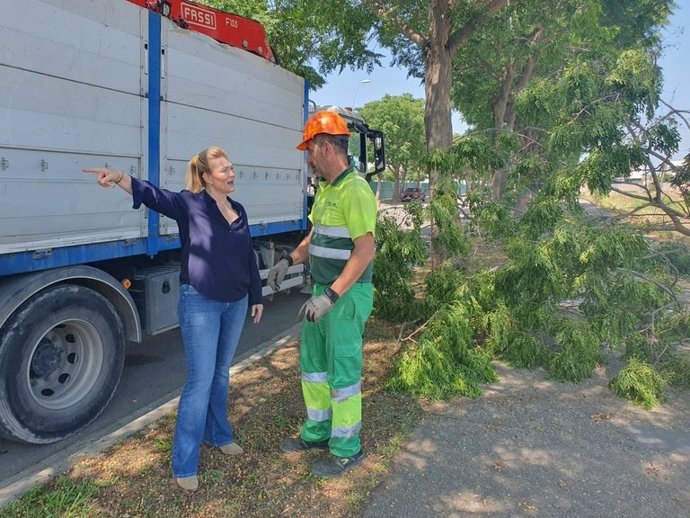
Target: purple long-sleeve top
217, 256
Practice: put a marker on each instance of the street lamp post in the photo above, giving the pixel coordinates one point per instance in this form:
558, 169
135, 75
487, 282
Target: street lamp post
362, 82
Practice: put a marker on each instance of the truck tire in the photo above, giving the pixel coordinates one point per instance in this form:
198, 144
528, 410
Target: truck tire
61, 358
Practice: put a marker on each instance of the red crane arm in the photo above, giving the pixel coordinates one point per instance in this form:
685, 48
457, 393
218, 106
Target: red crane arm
232, 29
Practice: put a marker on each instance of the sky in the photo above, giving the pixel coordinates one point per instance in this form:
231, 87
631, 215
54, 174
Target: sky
347, 88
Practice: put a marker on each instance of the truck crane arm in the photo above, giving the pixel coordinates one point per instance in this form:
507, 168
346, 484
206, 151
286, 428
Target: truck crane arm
228, 28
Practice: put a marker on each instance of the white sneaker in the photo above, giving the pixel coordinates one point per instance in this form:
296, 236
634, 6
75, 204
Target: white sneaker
231, 449
188, 483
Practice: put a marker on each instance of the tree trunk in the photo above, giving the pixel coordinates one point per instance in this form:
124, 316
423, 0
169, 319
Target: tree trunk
437, 82
500, 108
398, 179
437, 85
504, 110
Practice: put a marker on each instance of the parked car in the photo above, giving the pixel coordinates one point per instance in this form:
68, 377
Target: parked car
412, 194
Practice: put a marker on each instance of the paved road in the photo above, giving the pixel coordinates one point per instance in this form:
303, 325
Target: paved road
532, 447
153, 374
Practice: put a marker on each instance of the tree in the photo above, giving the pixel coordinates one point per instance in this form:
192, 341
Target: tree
401, 118
523, 42
425, 37
531, 45
585, 118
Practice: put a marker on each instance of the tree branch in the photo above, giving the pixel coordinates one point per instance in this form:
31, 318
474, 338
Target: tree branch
631, 195
463, 33
680, 113
389, 15
633, 184
640, 275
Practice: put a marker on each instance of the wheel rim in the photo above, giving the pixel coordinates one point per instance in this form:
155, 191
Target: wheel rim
65, 364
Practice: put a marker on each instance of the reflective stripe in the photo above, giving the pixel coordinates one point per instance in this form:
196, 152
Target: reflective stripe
325, 230
317, 414
329, 253
346, 432
315, 377
347, 392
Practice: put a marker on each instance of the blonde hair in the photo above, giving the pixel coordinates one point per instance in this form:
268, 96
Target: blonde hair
198, 165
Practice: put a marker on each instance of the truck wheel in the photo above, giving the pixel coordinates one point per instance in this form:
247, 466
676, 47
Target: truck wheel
61, 358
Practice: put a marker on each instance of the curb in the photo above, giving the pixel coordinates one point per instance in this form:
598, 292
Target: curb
61, 462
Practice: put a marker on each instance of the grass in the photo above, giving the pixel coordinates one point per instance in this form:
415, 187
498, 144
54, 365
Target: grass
70, 498
620, 204
132, 479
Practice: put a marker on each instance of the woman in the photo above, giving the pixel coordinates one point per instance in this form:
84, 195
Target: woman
219, 279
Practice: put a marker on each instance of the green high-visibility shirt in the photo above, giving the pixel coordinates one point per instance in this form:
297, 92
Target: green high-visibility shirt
343, 211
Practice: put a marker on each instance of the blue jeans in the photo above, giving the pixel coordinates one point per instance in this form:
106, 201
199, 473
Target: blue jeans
210, 332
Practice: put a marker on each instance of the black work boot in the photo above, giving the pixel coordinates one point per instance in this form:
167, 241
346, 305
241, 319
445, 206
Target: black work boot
295, 444
333, 466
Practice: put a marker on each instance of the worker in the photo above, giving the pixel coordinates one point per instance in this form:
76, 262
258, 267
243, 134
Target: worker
340, 250
219, 281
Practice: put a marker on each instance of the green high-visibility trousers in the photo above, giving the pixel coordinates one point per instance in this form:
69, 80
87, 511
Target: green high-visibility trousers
331, 364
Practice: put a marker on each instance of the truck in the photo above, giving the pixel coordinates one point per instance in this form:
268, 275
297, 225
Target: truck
141, 86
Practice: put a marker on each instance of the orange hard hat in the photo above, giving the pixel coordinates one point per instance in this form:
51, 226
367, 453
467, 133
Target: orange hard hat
323, 122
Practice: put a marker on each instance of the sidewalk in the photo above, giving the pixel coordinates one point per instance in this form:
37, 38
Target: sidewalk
532, 447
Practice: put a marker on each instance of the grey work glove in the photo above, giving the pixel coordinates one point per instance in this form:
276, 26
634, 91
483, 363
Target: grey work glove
318, 305
278, 272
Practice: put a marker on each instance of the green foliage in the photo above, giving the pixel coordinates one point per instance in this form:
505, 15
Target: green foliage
525, 351
676, 369
444, 214
444, 285
568, 288
542, 215
663, 136
637, 79
620, 307
678, 257
397, 252
513, 344
603, 165
559, 264
492, 217
445, 362
681, 178
640, 383
538, 103
477, 153
662, 351
635, 19
579, 351
500, 328
534, 276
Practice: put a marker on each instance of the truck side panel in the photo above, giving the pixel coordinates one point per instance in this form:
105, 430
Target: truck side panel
219, 95
74, 82
70, 77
